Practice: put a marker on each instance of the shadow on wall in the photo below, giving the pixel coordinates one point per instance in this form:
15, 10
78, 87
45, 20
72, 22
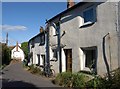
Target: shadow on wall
16, 84
67, 18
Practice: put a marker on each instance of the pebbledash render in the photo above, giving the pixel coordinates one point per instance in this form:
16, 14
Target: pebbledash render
89, 36
84, 37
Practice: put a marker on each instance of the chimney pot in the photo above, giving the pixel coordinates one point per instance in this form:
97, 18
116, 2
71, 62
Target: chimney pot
17, 46
70, 3
41, 29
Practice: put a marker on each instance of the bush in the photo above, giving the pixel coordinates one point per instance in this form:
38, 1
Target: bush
68, 79
114, 82
64, 79
103, 83
96, 82
87, 80
78, 80
35, 70
5, 55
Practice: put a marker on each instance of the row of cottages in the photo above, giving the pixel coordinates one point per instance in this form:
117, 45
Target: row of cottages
84, 37
37, 49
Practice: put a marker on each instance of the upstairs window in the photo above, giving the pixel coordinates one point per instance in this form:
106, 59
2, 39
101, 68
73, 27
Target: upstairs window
42, 39
32, 43
56, 28
89, 16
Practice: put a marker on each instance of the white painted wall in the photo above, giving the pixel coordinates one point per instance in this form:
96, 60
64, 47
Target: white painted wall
63, 61
82, 59
17, 54
76, 37
37, 50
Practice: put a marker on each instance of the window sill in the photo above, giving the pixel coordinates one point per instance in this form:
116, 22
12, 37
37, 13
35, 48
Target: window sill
87, 24
41, 44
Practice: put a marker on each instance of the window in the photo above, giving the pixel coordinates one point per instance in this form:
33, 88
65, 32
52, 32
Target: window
57, 28
90, 57
89, 15
55, 53
32, 43
42, 39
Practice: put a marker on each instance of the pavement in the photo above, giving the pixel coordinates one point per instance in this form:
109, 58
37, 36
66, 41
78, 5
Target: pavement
14, 75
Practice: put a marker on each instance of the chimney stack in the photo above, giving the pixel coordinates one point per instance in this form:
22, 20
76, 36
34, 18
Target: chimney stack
41, 29
70, 3
17, 46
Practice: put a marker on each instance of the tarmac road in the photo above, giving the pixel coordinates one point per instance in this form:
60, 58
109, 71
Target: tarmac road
15, 76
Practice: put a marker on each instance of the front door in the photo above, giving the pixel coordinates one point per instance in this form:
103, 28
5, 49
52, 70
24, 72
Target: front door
68, 54
38, 55
43, 58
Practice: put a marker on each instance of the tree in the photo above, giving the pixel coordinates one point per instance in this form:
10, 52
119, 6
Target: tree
6, 55
24, 47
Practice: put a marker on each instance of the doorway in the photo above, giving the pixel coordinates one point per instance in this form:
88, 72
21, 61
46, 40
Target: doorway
68, 54
43, 59
38, 55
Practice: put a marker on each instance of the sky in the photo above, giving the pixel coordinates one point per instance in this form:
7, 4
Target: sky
22, 20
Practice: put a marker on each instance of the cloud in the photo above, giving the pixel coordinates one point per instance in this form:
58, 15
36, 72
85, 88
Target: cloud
12, 28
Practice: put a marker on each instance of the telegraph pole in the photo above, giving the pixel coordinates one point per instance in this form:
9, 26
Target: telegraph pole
7, 38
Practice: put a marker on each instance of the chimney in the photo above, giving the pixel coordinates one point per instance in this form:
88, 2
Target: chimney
17, 46
70, 3
41, 29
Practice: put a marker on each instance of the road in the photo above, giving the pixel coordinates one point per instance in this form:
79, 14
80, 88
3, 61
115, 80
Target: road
15, 76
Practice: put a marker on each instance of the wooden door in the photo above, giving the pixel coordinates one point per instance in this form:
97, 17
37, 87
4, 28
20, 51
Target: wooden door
68, 54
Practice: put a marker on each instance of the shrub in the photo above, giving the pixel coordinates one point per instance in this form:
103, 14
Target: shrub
78, 80
5, 55
35, 70
114, 82
68, 79
63, 79
86, 80
103, 83
96, 82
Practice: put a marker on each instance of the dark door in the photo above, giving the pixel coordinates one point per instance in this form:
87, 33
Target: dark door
43, 57
38, 55
68, 54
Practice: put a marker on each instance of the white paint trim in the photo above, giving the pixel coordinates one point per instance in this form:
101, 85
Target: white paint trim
82, 59
41, 60
63, 61
51, 53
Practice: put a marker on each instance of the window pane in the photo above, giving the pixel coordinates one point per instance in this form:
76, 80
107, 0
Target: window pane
88, 15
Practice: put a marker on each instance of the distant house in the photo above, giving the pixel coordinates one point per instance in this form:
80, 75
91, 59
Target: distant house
37, 49
86, 37
17, 53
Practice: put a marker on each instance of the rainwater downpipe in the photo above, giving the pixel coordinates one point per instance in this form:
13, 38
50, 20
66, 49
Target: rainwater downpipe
59, 46
104, 56
117, 28
47, 64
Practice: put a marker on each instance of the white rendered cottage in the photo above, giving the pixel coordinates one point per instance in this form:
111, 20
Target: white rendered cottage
37, 49
85, 37
17, 53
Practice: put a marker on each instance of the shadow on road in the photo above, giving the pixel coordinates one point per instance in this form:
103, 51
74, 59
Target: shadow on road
16, 84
